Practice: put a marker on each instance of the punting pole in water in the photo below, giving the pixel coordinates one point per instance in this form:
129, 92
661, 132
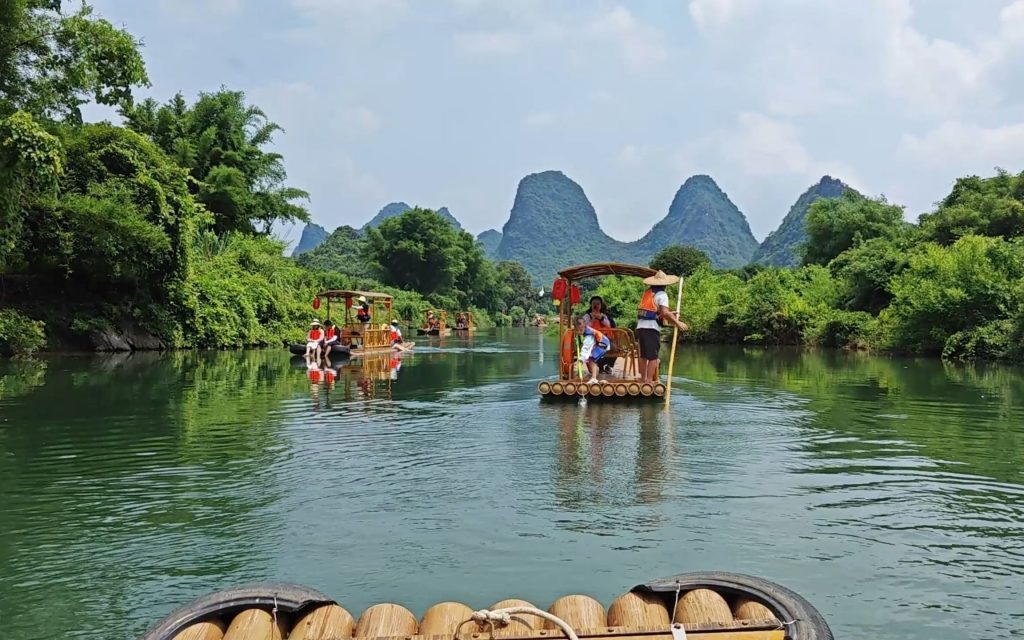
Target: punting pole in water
675, 337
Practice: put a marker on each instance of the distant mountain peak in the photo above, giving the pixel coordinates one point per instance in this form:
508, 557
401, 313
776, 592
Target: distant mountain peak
313, 235
395, 209
782, 247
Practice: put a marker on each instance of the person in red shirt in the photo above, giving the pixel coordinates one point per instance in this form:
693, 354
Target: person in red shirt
313, 338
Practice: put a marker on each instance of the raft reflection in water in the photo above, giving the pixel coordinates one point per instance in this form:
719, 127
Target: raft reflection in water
365, 377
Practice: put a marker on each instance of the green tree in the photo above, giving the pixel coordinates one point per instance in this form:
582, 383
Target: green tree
959, 300
51, 64
343, 252
417, 250
31, 162
866, 270
220, 139
837, 224
680, 260
514, 288
976, 206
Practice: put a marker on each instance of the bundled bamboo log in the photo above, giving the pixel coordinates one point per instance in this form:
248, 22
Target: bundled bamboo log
570, 388
329, 622
646, 389
522, 623
703, 605
386, 619
633, 389
607, 390
580, 612
638, 610
747, 609
544, 388
659, 389
256, 624
556, 388
620, 390
208, 630
445, 617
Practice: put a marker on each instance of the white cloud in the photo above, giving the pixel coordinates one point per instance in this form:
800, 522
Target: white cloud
578, 37
968, 147
641, 45
633, 155
764, 146
359, 120
540, 119
199, 12
354, 16
715, 14
490, 43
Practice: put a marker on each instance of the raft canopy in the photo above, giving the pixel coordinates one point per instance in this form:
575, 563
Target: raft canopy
336, 294
597, 269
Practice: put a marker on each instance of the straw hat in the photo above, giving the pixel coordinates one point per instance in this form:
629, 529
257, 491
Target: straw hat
315, 323
361, 299
661, 279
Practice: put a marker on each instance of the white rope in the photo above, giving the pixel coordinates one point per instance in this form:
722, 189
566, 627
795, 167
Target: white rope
503, 617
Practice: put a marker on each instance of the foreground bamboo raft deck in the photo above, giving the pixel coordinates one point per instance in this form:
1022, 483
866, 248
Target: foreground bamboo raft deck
607, 389
703, 613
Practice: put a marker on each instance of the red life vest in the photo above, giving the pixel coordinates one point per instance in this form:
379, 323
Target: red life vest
314, 335
331, 332
394, 335
648, 309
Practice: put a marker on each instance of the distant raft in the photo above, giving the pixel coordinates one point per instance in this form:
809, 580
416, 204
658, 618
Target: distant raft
691, 606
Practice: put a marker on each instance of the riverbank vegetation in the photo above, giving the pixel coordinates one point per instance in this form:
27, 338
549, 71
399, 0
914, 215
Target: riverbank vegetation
157, 232
951, 285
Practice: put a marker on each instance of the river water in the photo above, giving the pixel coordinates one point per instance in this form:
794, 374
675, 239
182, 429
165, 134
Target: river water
889, 492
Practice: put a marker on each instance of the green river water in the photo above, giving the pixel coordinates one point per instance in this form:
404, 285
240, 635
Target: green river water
889, 492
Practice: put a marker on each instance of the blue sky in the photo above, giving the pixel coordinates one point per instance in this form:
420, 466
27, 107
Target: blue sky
451, 102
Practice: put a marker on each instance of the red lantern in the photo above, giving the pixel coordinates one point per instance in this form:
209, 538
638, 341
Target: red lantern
558, 288
574, 295
316, 303
348, 302
387, 303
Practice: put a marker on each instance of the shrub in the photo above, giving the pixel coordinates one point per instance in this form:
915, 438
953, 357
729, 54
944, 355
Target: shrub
20, 335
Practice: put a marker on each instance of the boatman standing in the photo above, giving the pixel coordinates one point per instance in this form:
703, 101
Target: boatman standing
652, 314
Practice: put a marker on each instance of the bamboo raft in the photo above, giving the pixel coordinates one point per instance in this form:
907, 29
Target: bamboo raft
724, 609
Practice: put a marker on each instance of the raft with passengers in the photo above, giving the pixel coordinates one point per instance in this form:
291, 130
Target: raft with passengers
690, 606
360, 331
435, 323
597, 358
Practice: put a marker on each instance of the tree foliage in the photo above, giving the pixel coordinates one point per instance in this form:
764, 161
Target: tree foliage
51, 64
220, 139
837, 224
976, 206
680, 260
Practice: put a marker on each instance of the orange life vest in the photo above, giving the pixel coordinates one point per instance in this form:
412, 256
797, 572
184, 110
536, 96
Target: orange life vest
394, 335
648, 309
600, 338
331, 332
314, 335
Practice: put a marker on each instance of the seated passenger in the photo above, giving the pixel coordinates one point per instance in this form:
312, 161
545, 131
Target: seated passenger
432, 321
598, 318
313, 338
330, 336
396, 333
594, 346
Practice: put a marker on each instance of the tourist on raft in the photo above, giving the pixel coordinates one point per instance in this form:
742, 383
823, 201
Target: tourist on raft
363, 310
432, 321
652, 314
331, 337
313, 339
594, 346
598, 318
396, 333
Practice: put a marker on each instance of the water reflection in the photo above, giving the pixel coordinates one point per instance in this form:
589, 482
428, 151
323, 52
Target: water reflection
890, 492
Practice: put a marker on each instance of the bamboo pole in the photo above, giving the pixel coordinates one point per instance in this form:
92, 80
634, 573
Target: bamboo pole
675, 338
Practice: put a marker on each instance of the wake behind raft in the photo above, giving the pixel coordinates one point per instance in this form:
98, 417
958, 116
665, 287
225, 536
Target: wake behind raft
694, 606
